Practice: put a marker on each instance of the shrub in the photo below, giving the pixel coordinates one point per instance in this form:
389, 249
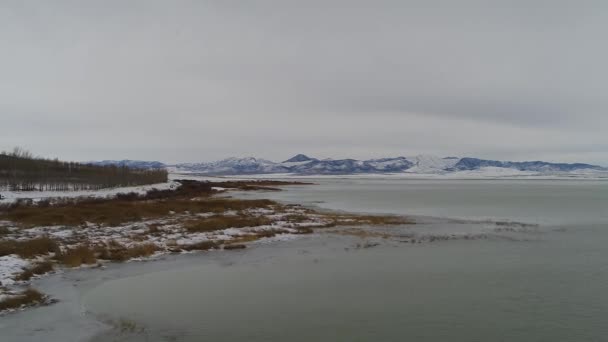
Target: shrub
117, 252
234, 246
201, 246
268, 233
27, 298
28, 248
77, 256
38, 269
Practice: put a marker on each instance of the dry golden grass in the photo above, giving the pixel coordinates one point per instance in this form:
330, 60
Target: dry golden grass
243, 238
27, 298
373, 220
295, 218
38, 269
114, 251
77, 256
267, 233
114, 212
233, 246
201, 246
154, 229
28, 248
223, 222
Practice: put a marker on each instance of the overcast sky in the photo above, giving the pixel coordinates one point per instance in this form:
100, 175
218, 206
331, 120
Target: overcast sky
203, 80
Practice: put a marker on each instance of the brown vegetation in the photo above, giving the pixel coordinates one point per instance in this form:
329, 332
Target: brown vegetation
304, 230
27, 298
268, 233
75, 257
223, 222
243, 238
191, 196
38, 269
201, 246
115, 251
229, 247
28, 248
114, 212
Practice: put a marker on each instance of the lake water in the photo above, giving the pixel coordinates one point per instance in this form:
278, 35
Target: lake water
546, 284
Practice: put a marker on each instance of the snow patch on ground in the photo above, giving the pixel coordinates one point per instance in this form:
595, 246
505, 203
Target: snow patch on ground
11, 196
10, 265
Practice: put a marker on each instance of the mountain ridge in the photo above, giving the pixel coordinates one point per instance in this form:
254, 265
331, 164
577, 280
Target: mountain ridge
302, 164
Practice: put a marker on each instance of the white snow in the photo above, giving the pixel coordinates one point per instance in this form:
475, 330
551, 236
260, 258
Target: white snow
9, 266
291, 164
11, 196
430, 164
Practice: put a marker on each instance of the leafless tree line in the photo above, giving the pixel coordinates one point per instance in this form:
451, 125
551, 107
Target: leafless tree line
20, 171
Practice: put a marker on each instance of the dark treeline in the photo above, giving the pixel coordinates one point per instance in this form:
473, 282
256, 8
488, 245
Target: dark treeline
20, 171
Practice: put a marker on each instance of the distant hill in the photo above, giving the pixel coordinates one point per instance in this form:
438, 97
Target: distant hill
302, 164
537, 166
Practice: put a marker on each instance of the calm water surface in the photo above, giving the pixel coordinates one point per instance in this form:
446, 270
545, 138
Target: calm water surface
550, 287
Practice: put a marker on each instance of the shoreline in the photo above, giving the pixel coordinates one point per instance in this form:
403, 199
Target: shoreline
68, 320
69, 284
60, 233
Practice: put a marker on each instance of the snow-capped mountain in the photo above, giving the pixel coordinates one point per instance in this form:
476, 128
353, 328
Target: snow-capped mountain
538, 166
235, 166
431, 164
298, 160
420, 164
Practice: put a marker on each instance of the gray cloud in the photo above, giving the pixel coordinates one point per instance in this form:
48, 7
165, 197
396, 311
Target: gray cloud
200, 80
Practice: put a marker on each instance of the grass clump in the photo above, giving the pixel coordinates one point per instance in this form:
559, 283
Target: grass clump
384, 220
234, 246
27, 298
201, 246
38, 269
28, 248
81, 255
115, 251
268, 233
224, 222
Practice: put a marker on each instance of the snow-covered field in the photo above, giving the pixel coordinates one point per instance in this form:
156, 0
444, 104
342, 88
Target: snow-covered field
11, 196
9, 266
